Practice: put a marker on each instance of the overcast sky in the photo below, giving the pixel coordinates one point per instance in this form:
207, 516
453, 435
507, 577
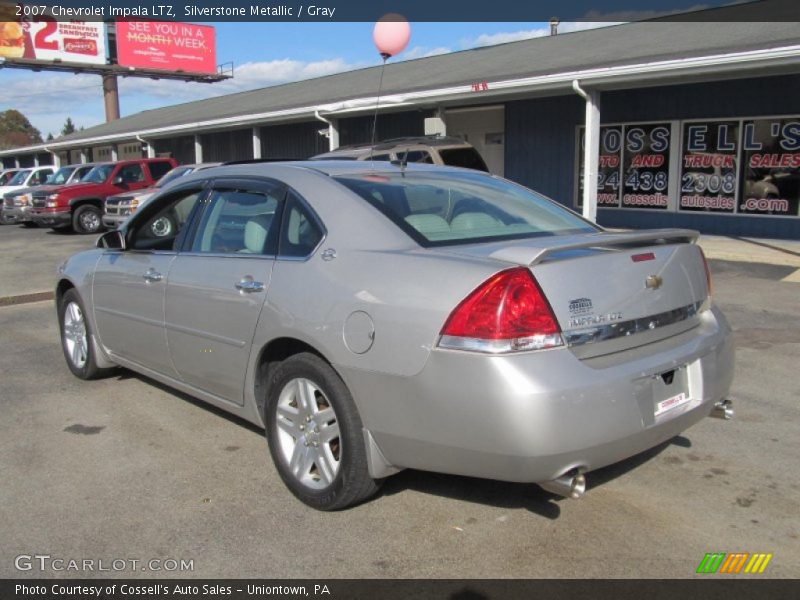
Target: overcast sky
264, 54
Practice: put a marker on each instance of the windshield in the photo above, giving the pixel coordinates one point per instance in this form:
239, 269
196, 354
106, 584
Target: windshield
19, 178
460, 208
6, 177
60, 176
98, 174
463, 157
172, 175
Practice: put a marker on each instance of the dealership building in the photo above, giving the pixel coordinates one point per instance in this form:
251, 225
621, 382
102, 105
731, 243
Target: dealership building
681, 124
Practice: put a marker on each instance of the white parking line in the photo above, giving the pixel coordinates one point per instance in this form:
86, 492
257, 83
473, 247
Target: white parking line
793, 277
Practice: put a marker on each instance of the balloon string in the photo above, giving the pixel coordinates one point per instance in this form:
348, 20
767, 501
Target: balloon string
377, 103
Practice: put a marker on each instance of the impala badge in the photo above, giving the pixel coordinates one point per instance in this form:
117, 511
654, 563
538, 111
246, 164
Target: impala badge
653, 282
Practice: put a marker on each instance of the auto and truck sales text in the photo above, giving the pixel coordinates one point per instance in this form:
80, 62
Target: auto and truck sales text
256, 11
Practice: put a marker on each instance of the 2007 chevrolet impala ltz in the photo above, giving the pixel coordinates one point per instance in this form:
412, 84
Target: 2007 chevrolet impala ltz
374, 317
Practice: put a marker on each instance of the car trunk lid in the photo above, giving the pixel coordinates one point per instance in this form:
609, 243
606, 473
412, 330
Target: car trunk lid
612, 291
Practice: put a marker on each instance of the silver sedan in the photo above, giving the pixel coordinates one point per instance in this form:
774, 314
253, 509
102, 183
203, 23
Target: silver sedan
374, 318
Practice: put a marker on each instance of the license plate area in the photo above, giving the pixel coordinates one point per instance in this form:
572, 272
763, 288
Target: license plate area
670, 391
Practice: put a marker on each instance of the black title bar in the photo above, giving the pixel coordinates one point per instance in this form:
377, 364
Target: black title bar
412, 10
708, 588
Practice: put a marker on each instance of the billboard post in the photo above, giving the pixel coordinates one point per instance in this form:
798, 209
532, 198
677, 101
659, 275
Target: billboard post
111, 97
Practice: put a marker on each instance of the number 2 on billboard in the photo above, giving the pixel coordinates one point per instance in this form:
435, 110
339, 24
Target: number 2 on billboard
41, 41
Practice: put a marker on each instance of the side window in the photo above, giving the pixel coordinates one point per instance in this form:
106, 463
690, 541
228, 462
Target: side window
40, 177
159, 169
239, 221
416, 156
382, 157
160, 230
300, 234
131, 174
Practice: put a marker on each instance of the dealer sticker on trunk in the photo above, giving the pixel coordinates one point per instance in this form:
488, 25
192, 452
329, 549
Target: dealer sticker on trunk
671, 403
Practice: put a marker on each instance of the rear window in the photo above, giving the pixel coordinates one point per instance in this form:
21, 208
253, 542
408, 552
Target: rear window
172, 175
460, 208
467, 158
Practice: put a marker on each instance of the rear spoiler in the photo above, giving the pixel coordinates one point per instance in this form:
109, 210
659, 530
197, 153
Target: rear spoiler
527, 255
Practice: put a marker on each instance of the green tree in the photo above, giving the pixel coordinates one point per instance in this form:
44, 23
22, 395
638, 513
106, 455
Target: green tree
69, 127
16, 130
50, 137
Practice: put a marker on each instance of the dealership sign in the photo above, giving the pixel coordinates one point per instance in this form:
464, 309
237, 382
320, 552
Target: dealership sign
729, 166
49, 40
167, 46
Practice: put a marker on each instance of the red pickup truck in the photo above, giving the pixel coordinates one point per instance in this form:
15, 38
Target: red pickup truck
80, 206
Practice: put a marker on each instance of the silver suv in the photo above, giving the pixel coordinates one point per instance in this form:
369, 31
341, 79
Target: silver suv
429, 149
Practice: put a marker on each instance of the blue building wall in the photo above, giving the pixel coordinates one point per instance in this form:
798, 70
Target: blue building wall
540, 143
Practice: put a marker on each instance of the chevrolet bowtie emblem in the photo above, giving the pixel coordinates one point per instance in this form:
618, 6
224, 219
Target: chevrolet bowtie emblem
653, 282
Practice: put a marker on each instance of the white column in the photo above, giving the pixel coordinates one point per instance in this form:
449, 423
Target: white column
56, 159
256, 142
35, 160
84, 158
16, 161
591, 154
198, 149
114, 153
151, 150
333, 134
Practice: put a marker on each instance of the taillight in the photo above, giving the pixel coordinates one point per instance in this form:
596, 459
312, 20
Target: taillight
708, 272
506, 313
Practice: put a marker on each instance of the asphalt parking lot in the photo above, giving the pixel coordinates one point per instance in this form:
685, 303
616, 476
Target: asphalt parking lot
124, 468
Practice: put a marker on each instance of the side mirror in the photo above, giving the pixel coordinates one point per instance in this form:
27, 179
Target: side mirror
118, 180
112, 240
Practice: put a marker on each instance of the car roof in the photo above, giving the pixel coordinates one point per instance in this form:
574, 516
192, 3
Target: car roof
332, 168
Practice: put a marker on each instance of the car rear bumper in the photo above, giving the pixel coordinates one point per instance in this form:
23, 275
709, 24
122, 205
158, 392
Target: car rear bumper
532, 417
47, 218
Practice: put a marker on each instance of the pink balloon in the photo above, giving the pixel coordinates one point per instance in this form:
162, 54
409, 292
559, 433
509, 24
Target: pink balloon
391, 34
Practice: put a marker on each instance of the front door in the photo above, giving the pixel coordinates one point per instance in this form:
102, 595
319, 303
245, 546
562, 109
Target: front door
218, 285
128, 294
129, 286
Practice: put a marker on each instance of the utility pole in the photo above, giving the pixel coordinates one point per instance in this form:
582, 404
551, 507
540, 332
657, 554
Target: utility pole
111, 97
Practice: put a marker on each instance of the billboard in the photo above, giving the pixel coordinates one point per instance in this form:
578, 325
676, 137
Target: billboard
167, 46
44, 38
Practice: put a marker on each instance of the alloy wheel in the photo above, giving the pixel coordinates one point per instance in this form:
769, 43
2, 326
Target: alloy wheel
90, 221
308, 433
75, 338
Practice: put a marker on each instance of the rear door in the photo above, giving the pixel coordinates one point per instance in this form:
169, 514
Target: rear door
218, 284
129, 286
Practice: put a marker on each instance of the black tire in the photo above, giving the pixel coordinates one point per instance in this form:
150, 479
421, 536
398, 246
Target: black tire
89, 368
352, 483
29, 224
87, 219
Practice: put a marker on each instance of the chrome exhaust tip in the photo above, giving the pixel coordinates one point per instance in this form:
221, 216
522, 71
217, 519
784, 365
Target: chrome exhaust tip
722, 410
568, 486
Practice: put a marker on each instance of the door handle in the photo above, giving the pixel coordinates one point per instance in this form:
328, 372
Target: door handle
151, 275
248, 286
